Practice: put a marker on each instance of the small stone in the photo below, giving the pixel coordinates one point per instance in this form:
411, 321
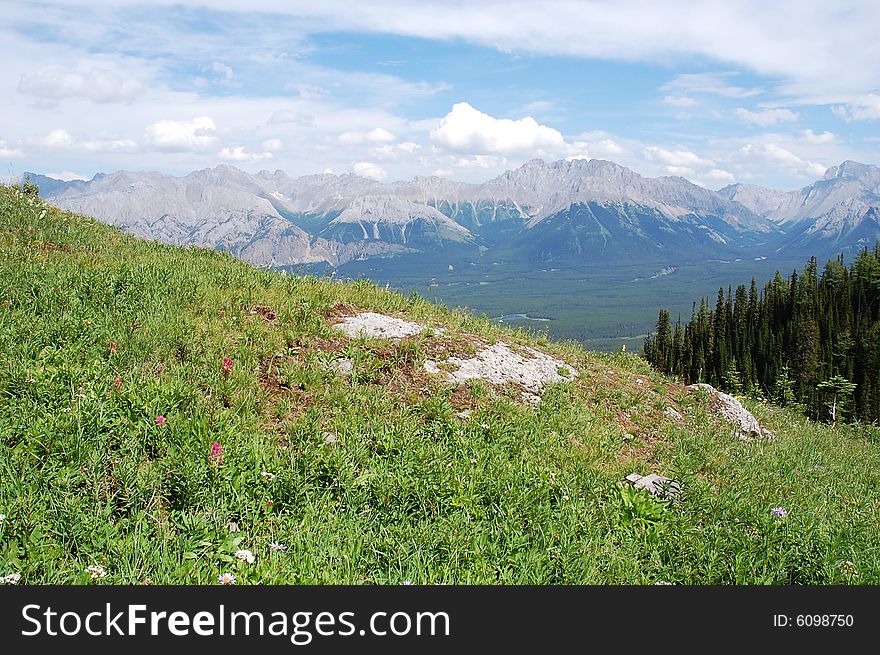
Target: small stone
343, 365
330, 438
628, 436
431, 367
463, 413
656, 485
672, 413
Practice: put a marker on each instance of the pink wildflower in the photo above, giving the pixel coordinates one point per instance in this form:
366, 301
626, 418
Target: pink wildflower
216, 455
227, 365
160, 420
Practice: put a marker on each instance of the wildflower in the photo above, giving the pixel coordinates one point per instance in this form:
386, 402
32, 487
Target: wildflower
226, 578
268, 476
113, 347
2, 518
245, 556
485, 426
216, 455
66, 410
848, 569
96, 571
31, 381
406, 582
10, 578
275, 545
160, 420
269, 503
779, 512
227, 365
662, 583
117, 382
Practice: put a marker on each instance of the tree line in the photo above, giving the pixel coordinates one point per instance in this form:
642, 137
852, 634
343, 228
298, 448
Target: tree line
810, 339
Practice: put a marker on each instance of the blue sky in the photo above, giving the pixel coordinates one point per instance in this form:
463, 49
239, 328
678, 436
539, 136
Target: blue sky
765, 93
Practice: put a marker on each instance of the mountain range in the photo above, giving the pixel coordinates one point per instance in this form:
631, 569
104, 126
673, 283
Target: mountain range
567, 212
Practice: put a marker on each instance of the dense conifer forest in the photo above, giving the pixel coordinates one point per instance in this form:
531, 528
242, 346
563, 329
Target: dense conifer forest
811, 339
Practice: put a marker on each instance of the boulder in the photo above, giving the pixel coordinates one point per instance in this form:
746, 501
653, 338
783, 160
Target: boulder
747, 426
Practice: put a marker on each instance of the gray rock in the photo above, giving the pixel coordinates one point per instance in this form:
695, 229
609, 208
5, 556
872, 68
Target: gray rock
673, 413
747, 426
656, 485
343, 365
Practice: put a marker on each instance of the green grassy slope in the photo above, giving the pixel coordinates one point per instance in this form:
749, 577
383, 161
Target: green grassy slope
101, 333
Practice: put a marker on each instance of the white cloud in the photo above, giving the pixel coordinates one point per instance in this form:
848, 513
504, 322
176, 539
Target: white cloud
370, 170
8, 152
380, 135
272, 145
224, 72
67, 176
181, 136
376, 135
710, 83
777, 156
719, 176
239, 153
818, 139
465, 129
766, 117
296, 118
96, 84
865, 107
677, 162
600, 148
679, 101
61, 139
58, 139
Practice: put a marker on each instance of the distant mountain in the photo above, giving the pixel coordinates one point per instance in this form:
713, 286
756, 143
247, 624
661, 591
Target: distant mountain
578, 211
839, 212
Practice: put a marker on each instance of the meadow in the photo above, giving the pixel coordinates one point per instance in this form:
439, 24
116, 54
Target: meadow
174, 416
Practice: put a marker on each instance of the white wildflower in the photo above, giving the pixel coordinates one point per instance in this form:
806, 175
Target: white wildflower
96, 571
10, 579
275, 545
245, 556
268, 476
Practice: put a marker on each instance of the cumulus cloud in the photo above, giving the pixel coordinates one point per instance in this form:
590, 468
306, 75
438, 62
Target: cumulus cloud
61, 139
272, 145
677, 162
240, 153
594, 148
818, 139
376, 135
97, 84
468, 130
380, 135
370, 170
719, 176
778, 156
181, 136
767, 116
